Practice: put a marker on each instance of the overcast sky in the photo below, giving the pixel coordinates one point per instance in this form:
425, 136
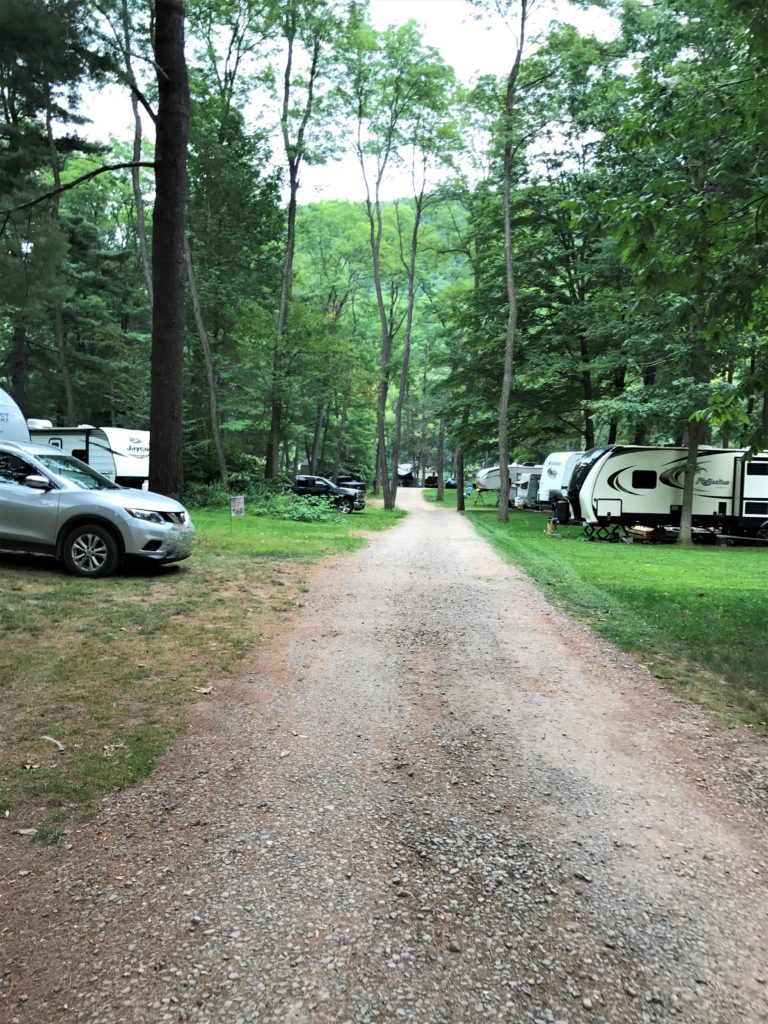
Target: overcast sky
470, 45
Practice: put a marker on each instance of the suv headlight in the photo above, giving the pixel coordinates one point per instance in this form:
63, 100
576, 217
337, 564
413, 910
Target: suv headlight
145, 515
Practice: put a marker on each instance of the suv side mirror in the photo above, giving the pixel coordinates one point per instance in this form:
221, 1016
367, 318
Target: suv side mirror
37, 482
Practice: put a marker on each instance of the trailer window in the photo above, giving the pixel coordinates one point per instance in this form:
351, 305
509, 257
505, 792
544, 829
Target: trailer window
644, 479
757, 469
756, 508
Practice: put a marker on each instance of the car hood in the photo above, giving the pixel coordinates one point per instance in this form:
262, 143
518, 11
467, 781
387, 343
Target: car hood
128, 497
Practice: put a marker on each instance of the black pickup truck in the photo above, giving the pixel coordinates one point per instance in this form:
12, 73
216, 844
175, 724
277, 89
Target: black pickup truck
346, 499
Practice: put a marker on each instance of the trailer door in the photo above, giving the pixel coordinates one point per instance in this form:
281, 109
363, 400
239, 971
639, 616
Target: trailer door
754, 491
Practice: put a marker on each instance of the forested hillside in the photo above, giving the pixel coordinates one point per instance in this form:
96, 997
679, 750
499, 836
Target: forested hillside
634, 172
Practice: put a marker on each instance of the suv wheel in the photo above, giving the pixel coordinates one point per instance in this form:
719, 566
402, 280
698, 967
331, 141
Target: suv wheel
346, 505
92, 551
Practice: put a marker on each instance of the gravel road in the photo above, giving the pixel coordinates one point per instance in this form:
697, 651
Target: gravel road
433, 799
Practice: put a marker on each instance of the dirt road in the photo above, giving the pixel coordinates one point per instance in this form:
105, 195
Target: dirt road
433, 799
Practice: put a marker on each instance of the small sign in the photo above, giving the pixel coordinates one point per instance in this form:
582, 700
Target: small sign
237, 505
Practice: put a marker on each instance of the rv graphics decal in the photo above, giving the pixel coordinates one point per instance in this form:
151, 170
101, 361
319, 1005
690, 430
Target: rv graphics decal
613, 482
704, 481
673, 477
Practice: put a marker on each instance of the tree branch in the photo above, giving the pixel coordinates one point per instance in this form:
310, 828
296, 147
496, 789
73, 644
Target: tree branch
5, 214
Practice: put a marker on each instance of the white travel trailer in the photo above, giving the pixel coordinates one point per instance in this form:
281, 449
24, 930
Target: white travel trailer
626, 485
13, 426
556, 476
527, 491
489, 479
120, 455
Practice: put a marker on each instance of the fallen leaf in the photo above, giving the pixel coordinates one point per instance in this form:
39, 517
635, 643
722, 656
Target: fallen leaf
203, 689
26, 831
284, 753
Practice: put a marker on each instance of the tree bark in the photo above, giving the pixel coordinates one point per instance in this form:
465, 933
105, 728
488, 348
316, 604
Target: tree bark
406, 358
166, 472
460, 503
510, 101
441, 461
17, 363
210, 372
342, 430
138, 199
58, 315
294, 153
686, 513
314, 454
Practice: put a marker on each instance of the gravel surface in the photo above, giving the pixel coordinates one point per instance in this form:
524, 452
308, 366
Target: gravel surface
433, 799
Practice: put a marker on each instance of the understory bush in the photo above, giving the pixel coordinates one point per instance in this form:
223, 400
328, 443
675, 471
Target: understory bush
261, 500
299, 508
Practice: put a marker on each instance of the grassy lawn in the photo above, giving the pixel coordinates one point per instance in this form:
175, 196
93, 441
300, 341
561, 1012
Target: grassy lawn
106, 667
696, 616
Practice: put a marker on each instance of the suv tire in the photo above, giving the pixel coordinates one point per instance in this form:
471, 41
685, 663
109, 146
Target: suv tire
91, 551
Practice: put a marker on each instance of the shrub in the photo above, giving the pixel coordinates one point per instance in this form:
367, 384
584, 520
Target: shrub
299, 508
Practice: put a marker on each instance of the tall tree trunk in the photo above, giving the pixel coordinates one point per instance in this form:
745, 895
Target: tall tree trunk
315, 453
510, 101
210, 372
342, 429
138, 199
649, 379
294, 153
17, 362
271, 469
58, 314
389, 488
689, 478
166, 468
459, 455
406, 358
66, 379
619, 378
586, 390
441, 461
375, 232
696, 434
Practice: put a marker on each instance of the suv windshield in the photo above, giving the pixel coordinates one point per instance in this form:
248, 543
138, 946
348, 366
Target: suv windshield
76, 472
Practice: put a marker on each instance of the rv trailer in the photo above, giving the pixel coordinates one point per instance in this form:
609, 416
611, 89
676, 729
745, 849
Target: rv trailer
13, 426
489, 479
119, 454
556, 476
624, 485
526, 491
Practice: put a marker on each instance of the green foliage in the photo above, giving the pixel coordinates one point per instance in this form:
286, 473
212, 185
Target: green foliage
638, 229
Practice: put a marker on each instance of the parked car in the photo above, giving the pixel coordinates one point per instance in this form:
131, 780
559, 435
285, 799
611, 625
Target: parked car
451, 482
430, 481
55, 504
346, 499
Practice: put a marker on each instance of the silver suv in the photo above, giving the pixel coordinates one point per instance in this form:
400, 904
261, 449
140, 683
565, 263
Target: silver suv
56, 504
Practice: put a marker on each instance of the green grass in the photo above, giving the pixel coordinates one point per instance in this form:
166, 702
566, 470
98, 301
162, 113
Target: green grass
107, 667
696, 616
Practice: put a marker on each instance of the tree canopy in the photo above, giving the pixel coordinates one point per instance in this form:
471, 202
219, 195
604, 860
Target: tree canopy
584, 235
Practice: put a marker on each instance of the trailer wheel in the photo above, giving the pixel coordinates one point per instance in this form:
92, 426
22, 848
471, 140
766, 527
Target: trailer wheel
91, 551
